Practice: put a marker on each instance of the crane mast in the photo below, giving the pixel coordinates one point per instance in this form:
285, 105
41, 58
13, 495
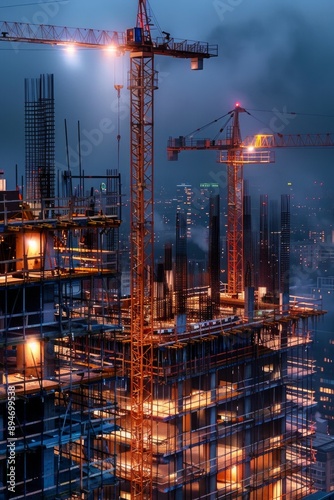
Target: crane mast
142, 83
142, 86
235, 209
143, 20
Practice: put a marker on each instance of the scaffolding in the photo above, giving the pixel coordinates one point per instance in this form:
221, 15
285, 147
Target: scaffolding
231, 408
231, 399
59, 296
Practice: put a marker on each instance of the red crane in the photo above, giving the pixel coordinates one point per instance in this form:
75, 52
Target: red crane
235, 153
142, 46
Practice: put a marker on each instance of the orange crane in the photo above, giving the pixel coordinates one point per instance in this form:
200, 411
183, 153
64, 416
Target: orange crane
235, 153
142, 47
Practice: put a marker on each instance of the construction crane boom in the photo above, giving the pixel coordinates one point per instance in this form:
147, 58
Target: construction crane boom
288, 141
181, 143
142, 83
93, 38
235, 153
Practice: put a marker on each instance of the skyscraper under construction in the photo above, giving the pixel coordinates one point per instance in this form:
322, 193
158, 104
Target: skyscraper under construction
231, 399
231, 396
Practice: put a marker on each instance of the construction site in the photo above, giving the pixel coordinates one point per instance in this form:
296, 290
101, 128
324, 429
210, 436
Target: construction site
171, 393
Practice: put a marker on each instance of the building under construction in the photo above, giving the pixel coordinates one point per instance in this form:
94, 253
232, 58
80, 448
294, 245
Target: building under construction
231, 399
227, 400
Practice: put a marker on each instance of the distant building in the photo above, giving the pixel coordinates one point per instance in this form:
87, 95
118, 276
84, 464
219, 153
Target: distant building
322, 468
184, 203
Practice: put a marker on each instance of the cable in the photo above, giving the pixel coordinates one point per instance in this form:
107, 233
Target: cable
118, 88
45, 49
223, 128
30, 3
258, 119
293, 113
25, 50
152, 17
208, 124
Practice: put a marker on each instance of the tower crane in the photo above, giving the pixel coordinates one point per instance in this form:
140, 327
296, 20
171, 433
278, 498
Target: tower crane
142, 47
235, 153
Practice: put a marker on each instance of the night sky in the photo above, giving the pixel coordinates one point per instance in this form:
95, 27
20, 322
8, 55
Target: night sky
274, 58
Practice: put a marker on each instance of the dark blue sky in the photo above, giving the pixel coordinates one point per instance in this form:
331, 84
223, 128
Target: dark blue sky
273, 56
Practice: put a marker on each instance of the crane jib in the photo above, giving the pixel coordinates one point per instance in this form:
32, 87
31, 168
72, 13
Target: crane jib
133, 38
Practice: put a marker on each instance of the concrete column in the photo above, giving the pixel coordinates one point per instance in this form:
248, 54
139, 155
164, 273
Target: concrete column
247, 433
49, 364
47, 456
249, 303
213, 444
180, 424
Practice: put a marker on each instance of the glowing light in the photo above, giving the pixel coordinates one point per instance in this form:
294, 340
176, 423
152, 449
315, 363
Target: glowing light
112, 49
234, 473
33, 347
70, 48
250, 149
237, 104
262, 139
33, 246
